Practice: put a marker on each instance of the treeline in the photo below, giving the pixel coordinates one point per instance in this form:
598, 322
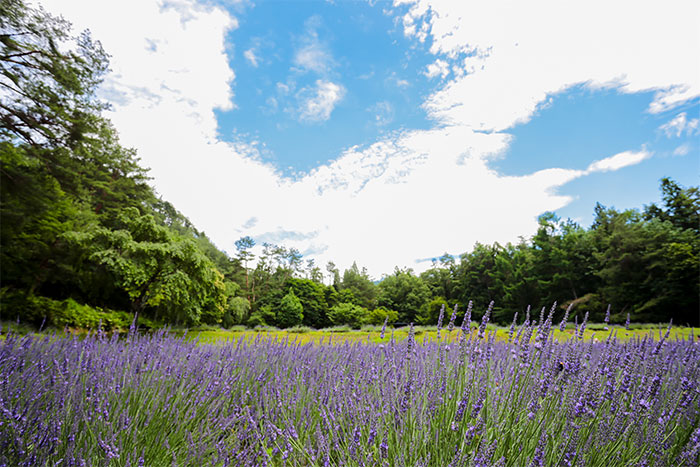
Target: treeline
85, 240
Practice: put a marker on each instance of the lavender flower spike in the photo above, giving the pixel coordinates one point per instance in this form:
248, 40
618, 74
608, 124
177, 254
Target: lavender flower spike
512, 327
451, 324
582, 328
467, 317
562, 325
485, 320
442, 314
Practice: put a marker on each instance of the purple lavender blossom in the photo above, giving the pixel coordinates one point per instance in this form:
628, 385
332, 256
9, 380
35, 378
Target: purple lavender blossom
451, 324
466, 322
485, 320
440, 317
562, 325
582, 328
512, 327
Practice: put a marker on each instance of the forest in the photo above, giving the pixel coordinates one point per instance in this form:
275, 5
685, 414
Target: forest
86, 241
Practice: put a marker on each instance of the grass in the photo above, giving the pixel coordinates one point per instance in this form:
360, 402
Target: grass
342, 334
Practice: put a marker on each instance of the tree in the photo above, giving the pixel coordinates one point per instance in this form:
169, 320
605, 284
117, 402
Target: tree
244, 245
440, 278
48, 93
403, 292
430, 311
290, 312
563, 260
334, 275
313, 299
359, 283
682, 206
157, 269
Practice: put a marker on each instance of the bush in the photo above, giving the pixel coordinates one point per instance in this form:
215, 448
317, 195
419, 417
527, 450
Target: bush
35, 310
379, 314
430, 312
256, 319
347, 313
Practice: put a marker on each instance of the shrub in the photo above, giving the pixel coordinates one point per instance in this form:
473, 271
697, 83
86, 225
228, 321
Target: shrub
379, 314
347, 313
36, 310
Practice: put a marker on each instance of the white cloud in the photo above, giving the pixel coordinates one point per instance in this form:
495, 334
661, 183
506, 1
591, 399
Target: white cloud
438, 68
251, 57
395, 80
410, 195
679, 125
312, 54
383, 113
682, 150
317, 102
517, 53
618, 161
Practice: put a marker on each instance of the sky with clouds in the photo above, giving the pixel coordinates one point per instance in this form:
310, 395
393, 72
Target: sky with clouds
391, 133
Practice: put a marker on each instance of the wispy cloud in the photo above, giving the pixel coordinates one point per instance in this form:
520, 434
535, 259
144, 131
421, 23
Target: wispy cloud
396, 80
679, 125
618, 161
318, 101
682, 150
251, 57
383, 113
312, 54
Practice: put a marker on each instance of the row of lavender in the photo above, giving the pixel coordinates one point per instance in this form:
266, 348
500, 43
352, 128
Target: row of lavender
152, 400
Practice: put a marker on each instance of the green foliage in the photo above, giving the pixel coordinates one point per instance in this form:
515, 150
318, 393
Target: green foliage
682, 206
405, 293
312, 296
290, 312
37, 310
256, 319
363, 290
236, 312
430, 311
348, 314
158, 270
379, 315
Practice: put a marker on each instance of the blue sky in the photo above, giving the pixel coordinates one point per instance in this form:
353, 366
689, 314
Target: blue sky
390, 132
353, 44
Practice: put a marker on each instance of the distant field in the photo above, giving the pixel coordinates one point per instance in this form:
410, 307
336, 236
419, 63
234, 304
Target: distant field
423, 334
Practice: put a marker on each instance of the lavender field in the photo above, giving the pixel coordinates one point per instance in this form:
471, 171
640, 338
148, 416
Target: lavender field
156, 400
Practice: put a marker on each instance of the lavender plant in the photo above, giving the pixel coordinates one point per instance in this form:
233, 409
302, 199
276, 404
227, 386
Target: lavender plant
156, 399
